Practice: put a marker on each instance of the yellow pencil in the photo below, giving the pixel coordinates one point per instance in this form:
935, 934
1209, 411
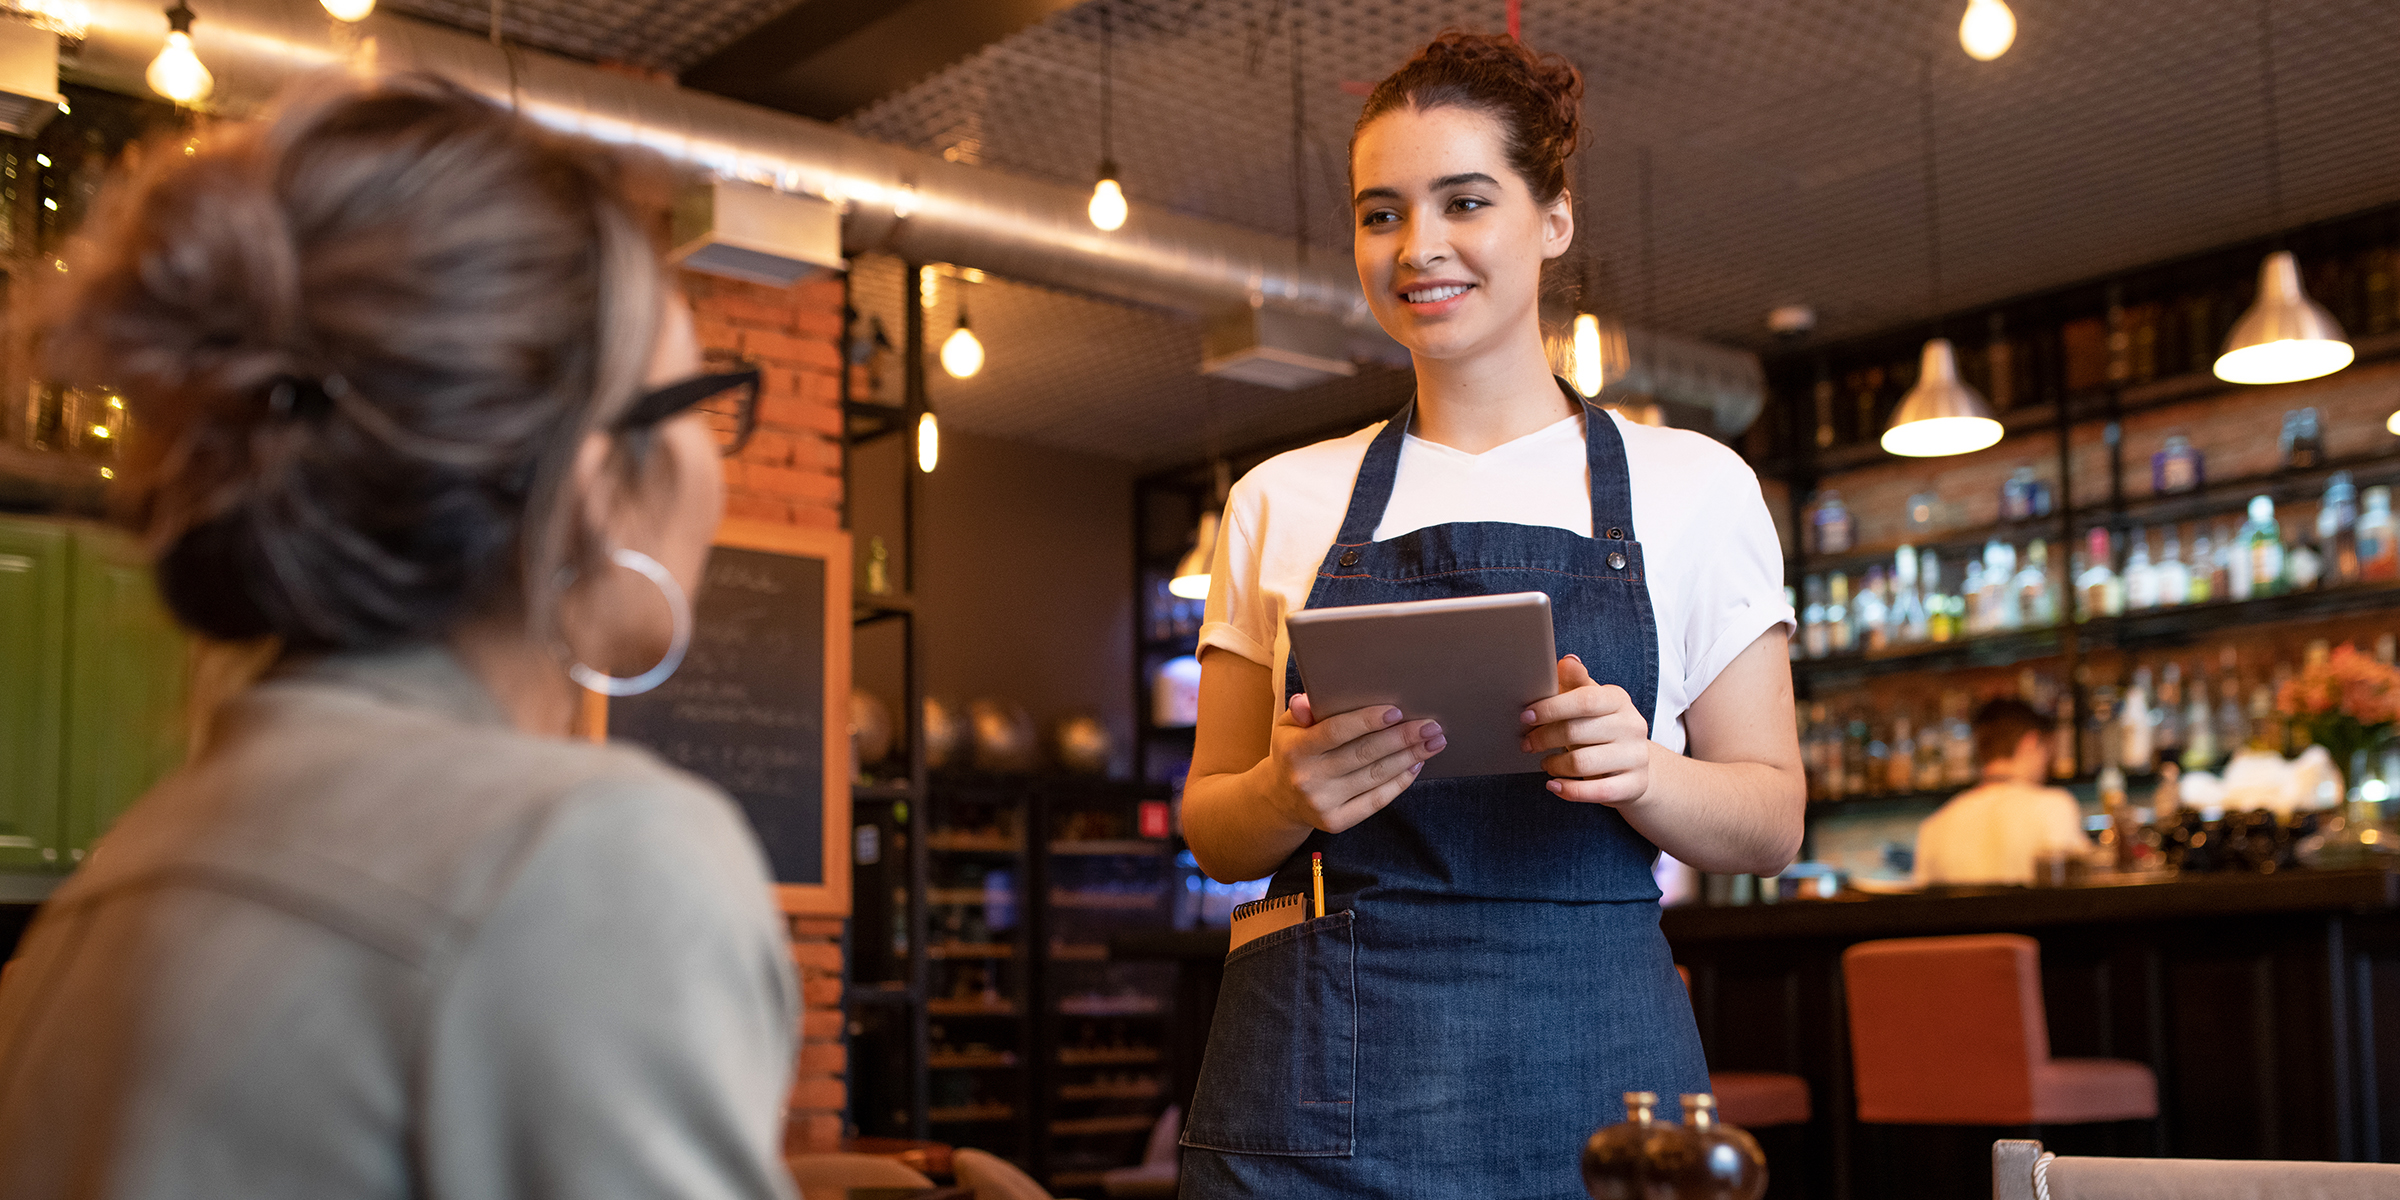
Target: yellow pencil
1316, 867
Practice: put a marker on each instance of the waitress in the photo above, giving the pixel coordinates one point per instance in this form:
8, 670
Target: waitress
1490, 975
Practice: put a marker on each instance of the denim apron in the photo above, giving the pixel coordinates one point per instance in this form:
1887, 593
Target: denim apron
1490, 976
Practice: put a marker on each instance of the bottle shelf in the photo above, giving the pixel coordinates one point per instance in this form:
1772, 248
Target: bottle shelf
1126, 847
1106, 901
1127, 1123
970, 951
960, 897
969, 1008
954, 841
1070, 952
2157, 627
1136, 1089
970, 1062
971, 1114
1109, 1057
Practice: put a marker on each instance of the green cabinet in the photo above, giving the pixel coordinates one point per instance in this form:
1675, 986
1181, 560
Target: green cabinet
92, 684
34, 563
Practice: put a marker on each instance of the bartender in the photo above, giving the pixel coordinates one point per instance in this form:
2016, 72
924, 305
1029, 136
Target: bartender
1489, 976
1998, 830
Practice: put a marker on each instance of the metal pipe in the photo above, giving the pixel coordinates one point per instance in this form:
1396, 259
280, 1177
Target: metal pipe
896, 201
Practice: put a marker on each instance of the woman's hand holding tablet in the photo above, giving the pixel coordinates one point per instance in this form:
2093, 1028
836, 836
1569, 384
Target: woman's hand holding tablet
1598, 742
1331, 774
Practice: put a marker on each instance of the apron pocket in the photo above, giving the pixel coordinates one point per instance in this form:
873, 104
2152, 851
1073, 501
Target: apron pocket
1282, 1060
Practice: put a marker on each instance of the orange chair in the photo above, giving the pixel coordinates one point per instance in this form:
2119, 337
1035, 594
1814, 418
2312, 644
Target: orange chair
1951, 1031
1755, 1099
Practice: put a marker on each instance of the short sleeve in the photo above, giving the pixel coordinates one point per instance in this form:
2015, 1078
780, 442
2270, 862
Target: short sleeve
2066, 825
623, 1023
1737, 589
1242, 611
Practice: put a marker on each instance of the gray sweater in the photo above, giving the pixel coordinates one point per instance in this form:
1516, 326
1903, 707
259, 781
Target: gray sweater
377, 943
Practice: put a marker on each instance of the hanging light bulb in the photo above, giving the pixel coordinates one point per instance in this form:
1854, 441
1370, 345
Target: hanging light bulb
2285, 336
1941, 415
1191, 575
962, 355
1108, 209
349, 10
1590, 373
929, 443
1988, 29
177, 73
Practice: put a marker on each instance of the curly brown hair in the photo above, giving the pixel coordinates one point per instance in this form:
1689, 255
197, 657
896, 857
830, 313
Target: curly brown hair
1537, 98
359, 342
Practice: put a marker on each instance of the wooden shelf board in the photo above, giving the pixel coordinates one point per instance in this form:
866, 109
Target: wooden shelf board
1108, 1058
1129, 1123
1128, 847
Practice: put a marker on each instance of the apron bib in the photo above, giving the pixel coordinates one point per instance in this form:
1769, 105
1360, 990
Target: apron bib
1489, 977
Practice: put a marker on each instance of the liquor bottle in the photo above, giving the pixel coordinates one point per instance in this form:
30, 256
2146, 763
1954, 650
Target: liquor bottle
1879, 760
2201, 570
2174, 579
1834, 527
2378, 548
1901, 767
2111, 786
1959, 768
1854, 758
1813, 634
1972, 618
2062, 740
2141, 579
2200, 726
1929, 757
2303, 566
2303, 440
2000, 608
1837, 614
2098, 583
2264, 731
1820, 772
2337, 529
1869, 401
2166, 716
2262, 550
2232, 728
2037, 604
1870, 613
2016, 494
1824, 400
2221, 570
2000, 360
2177, 467
2098, 741
2138, 747
1909, 618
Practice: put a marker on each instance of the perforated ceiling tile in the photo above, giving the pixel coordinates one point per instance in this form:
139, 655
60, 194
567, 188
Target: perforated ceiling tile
1785, 143
666, 35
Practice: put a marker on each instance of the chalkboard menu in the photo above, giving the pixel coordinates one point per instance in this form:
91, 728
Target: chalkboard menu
759, 705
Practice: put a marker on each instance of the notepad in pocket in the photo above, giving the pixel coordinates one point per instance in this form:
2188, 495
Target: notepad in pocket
1259, 918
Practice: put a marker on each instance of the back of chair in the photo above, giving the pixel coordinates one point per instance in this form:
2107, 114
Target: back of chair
831, 1176
991, 1177
1946, 1030
2020, 1171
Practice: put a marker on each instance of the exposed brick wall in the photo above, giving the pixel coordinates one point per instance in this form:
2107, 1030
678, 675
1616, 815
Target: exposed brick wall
791, 473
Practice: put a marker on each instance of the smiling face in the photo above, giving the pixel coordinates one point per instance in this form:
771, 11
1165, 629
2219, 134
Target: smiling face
1449, 239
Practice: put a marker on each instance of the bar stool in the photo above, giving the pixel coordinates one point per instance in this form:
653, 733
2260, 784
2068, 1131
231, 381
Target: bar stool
1755, 1099
1951, 1031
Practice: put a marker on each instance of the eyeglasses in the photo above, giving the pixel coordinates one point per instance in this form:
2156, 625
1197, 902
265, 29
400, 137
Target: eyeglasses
727, 399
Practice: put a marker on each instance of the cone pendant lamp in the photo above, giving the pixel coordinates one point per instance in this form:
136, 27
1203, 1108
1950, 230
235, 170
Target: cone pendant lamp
2285, 336
1941, 415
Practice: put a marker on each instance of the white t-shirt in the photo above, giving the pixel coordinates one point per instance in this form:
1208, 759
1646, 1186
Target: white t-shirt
1993, 834
1713, 564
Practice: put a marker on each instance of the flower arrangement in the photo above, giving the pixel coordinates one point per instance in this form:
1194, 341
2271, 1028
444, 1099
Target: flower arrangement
2348, 702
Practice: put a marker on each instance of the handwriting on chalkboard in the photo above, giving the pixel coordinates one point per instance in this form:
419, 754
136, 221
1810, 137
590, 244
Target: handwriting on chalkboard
747, 708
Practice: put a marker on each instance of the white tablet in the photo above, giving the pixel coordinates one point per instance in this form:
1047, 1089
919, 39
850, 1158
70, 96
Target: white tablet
1470, 662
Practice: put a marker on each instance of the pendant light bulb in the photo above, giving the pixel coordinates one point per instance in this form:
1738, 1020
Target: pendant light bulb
1108, 209
1591, 366
1190, 581
349, 10
177, 72
1941, 415
2285, 336
929, 443
1988, 29
962, 355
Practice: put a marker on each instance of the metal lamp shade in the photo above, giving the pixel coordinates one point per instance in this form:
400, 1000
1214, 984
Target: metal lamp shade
2285, 336
1941, 415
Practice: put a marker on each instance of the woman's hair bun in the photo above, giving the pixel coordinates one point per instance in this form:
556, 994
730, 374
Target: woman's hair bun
1537, 98
359, 341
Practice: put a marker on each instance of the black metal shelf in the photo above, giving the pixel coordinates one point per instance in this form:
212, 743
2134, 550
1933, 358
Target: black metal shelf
867, 608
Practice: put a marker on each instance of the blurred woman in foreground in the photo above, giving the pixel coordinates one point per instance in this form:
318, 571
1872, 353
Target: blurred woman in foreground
420, 407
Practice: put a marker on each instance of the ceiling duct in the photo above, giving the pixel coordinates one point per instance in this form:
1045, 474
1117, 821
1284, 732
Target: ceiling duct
754, 233
894, 200
28, 77
1276, 349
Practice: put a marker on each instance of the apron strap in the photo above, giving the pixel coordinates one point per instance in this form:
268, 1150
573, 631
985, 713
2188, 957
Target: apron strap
1604, 455
1612, 478
1373, 490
